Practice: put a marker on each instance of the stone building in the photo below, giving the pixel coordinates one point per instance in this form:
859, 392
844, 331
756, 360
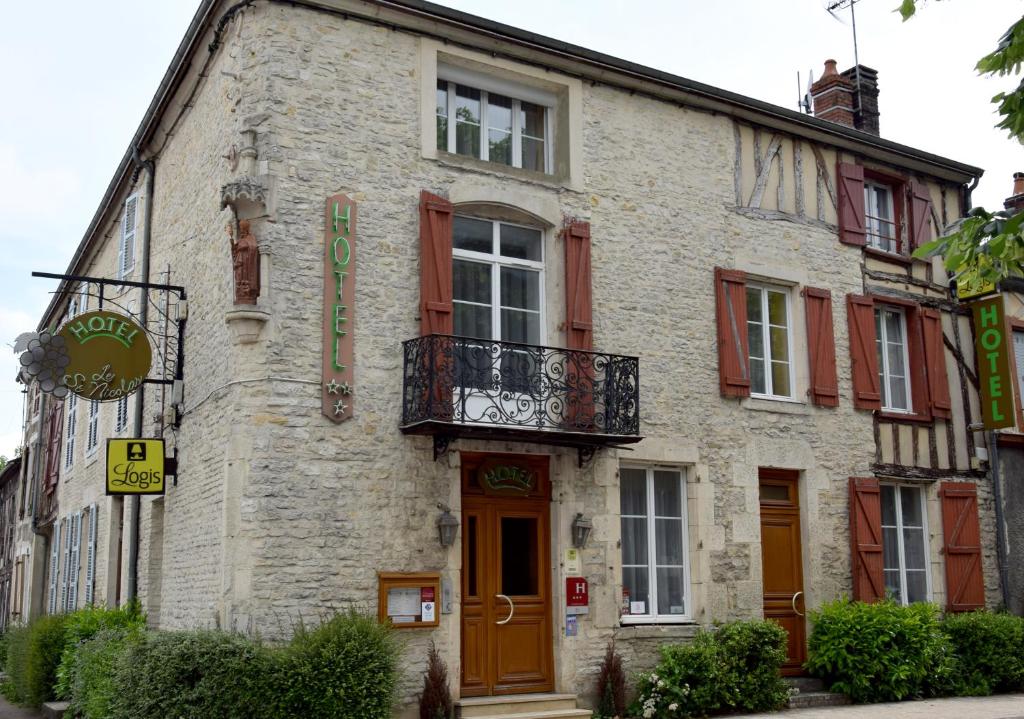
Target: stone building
531, 290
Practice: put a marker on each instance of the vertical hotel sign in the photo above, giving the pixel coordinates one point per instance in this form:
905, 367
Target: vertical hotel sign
338, 387
993, 362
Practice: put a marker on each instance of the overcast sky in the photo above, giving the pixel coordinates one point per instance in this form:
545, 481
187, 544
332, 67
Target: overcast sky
77, 76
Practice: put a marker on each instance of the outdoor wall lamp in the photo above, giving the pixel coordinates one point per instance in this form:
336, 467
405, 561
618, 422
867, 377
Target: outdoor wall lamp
581, 529
447, 525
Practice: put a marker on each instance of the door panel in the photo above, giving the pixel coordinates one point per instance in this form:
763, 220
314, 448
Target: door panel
781, 561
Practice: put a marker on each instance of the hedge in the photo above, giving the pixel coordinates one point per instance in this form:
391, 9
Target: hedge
33, 654
989, 652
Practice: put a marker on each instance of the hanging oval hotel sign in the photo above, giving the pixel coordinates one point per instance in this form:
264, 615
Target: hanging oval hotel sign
109, 355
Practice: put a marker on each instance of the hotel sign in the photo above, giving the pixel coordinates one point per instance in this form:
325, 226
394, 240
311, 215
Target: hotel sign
990, 346
337, 389
109, 355
135, 466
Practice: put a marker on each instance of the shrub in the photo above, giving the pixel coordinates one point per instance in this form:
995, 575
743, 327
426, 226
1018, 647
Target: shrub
879, 652
611, 685
33, 653
92, 685
436, 699
83, 625
344, 669
754, 651
989, 651
190, 674
3, 648
15, 662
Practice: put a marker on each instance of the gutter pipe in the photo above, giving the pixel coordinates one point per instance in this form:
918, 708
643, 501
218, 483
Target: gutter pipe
1001, 548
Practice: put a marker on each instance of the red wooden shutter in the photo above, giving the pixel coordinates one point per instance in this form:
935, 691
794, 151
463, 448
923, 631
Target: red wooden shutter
821, 347
733, 350
54, 435
935, 363
850, 203
435, 265
920, 215
965, 588
860, 316
579, 322
866, 539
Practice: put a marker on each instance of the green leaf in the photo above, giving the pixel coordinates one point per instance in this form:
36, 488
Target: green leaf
907, 9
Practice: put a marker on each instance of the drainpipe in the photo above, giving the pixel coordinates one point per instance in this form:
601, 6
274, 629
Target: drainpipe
135, 502
1001, 548
965, 194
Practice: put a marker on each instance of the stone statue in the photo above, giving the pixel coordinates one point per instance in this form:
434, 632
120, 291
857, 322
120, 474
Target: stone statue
245, 257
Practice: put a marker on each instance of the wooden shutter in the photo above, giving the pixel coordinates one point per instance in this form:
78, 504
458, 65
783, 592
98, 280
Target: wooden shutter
850, 203
51, 605
821, 347
866, 539
860, 316
579, 327
54, 435
435, 265
965, 588
935, 363
916, 357
90, 556
126, 259
920, 215
731, 319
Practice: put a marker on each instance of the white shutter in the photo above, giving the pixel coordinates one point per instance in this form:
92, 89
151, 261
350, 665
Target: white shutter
1018, 351
54, 567
90, 555
75, 566
94, 429
67, 564
69, 444
126, 260
122, 414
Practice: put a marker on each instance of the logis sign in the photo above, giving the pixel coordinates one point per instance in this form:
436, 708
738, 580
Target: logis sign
109, 355
993, 362
135, 466
339, 311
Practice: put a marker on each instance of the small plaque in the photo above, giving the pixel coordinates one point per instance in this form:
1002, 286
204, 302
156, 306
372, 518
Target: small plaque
638, 607
572, 627
572, 561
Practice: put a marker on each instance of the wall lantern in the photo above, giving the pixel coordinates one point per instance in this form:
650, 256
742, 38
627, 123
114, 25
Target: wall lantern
581, 529
447, 525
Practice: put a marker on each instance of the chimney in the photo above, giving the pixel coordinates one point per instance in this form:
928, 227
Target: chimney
833, 96
1015, 202
865, 113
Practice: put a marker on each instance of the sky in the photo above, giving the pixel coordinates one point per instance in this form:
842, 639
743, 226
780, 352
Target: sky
76, 78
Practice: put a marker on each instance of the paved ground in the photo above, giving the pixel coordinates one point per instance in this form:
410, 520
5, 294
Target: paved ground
1005, 706
9, 711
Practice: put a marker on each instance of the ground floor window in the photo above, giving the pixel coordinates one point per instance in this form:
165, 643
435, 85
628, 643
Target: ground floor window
655, 577
905, 543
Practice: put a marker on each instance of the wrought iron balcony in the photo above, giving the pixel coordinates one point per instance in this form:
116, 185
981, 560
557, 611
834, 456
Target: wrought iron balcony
464, 387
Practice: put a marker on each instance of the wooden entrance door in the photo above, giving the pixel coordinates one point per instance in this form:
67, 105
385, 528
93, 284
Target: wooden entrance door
782, 562
506, 587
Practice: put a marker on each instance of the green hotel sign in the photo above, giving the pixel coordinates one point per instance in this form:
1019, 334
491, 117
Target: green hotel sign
994, 376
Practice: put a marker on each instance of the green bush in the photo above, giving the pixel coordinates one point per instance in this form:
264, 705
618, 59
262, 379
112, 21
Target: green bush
989, 651
344, 669
736, 667
3, 648
33, 654
879, 652
85, 624
92, 684
193, 674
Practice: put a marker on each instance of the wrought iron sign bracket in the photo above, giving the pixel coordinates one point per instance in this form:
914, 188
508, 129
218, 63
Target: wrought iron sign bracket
586, 454
442, 442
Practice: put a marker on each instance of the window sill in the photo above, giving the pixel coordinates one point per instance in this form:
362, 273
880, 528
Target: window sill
682, 629
903, 417
774, 404
464, 162
887, 256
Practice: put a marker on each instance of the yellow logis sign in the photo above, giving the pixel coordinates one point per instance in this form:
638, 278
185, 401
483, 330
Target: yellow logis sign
135, 466
109, 355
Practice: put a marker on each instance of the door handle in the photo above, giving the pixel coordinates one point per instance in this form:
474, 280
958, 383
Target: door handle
798, 612
511, 609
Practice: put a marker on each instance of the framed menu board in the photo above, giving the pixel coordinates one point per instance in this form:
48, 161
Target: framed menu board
407, 600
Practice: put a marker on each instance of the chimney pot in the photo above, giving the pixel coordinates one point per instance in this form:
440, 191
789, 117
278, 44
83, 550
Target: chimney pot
833, 96
830, 68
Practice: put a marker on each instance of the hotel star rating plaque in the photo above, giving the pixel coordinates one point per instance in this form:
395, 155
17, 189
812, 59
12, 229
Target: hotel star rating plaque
337, 392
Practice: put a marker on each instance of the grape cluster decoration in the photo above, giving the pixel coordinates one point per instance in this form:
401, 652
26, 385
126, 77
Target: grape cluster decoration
45, 360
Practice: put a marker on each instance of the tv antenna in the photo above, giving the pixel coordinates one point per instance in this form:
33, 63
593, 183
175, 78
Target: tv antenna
804, 100
831, 6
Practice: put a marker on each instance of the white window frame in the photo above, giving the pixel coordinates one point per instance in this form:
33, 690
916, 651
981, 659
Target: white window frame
922, 490
764, 289
884, 367
873, 220
72, 426
516, 93
92, 440
652, 566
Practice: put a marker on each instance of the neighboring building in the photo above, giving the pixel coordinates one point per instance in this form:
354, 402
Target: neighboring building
660, 281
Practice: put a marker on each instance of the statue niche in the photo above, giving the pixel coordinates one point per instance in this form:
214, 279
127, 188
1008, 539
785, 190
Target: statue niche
245, 256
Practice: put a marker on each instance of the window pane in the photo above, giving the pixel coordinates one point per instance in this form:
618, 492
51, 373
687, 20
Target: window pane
891, 548
780, 343
894, 327
472, 321
519, 556
1018, 350
533, 154
471, 282
499, 113
520, 326
780, 379
910, 503
755, 339
499, 147
633, 491
531, 117
442, 114
917, 586
670, 591
888, 505
777, 309
467, 121
523, 243
913, 549
634, 541
520, 288
753, 305
636, 583
892, 583
757, 376
898, 385
473, 235
668, 541
667, 500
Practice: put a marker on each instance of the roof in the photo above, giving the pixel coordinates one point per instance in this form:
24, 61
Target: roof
613, 70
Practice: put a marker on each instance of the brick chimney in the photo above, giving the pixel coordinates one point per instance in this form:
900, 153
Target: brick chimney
865, 113
833, 96
1015, 202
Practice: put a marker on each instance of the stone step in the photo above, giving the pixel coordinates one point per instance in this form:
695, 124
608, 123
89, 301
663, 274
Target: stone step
519, 706
805, 684
55, 710
805, 700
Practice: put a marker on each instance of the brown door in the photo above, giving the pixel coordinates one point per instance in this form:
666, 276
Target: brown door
781, 561
506, 592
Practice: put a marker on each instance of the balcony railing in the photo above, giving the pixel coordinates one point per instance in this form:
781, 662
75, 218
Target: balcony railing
459, 387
